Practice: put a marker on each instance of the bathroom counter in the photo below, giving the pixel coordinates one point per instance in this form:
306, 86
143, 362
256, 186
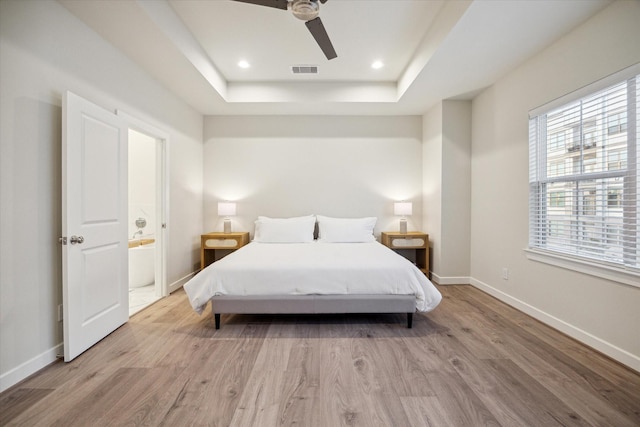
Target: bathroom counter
140, 242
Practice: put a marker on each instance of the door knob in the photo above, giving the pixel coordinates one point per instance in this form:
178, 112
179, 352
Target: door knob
76, 240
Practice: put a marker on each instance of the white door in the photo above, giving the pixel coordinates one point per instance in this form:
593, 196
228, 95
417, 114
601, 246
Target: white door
94, 223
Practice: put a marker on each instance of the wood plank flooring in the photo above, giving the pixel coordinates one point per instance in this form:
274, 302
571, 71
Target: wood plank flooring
473, 361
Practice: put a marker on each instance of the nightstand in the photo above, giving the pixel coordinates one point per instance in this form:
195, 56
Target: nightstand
216, 245
414, 245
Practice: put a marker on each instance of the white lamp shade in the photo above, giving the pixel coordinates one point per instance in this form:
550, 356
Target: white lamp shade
402, 208
226, 208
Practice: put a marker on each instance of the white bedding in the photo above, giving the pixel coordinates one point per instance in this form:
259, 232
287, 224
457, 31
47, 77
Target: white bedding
312, 269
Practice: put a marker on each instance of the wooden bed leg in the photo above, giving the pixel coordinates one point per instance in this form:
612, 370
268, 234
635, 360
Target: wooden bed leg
217, 318
409, 320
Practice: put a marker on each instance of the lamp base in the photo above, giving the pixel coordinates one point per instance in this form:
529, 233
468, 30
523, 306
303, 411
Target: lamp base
403, 226
227, 226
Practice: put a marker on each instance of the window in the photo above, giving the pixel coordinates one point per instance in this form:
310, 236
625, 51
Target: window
617, 123
557, 141
556, 168
556, 199
617, 159
584, 181
614, 197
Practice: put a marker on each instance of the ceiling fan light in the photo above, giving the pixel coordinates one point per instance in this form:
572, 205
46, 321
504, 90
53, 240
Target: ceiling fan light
305, 10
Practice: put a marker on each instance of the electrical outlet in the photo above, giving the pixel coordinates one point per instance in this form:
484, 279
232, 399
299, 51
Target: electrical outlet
505, 273
59, 312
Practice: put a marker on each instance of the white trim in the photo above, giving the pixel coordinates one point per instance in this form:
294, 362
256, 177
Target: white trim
162, 210
440, 280
584, 337
142, 126
603, 83
180, 282
30, 367
592, 268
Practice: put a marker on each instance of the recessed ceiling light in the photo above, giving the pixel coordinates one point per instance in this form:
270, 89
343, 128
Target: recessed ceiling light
377, 64
243, 64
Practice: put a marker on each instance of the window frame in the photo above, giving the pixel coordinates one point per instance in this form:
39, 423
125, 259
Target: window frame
592, 251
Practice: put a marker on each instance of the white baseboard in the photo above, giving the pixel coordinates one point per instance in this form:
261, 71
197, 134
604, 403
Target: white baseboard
30, 367
440, 280
180, 282
616, 353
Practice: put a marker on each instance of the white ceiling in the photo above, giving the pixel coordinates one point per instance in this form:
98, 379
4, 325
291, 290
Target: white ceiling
432, 50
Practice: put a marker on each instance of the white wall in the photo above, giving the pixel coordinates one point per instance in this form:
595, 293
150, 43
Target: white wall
601, 313
447, 189
432, 183
456, 191
45, 51
337, 166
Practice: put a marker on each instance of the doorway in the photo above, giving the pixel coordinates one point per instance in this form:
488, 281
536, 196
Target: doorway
142, 221
147, 214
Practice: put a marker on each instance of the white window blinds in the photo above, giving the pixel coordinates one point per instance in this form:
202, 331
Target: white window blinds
584, 180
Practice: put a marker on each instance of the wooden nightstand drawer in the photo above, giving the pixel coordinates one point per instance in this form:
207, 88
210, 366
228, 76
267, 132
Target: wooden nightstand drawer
214, 246
221, 243
413, 245
407, 242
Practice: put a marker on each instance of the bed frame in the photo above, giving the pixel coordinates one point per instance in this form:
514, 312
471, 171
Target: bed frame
313, 304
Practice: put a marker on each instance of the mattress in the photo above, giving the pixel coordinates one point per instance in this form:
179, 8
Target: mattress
317, 268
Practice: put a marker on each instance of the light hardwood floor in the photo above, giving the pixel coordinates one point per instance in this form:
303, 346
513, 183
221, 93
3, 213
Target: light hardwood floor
473, 361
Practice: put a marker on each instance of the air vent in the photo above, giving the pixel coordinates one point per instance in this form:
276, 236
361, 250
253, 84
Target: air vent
304, 69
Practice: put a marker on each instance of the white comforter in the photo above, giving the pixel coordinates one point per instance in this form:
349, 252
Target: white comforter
312, 269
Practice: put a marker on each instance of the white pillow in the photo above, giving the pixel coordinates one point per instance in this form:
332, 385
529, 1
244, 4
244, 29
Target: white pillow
293, 218
285, 230
346, 230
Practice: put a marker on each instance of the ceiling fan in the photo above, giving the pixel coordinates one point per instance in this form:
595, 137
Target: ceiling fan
306, 10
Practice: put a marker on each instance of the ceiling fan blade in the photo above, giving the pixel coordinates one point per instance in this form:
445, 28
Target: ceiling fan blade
323, 1
322, 38
278, 4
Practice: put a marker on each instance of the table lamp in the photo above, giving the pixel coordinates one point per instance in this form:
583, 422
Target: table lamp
227, 209
403, 209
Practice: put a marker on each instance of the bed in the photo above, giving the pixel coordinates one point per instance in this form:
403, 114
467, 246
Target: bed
285, 272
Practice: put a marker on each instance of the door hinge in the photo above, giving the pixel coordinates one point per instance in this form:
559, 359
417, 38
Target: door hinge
62, 240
